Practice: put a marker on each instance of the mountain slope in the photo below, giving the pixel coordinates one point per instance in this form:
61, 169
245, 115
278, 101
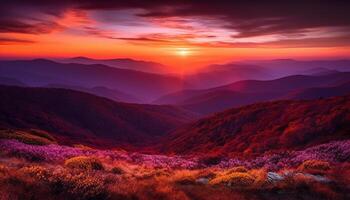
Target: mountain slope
252, 91
40, 72
100, 91
76, 117
261, 127
10, 81
285, 67
319, 92
216, 75
122, 63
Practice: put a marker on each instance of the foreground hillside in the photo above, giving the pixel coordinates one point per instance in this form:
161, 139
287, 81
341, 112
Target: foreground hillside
76, 117
261, 127
51, 171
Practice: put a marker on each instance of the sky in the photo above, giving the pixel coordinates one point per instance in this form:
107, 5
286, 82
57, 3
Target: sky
178, 33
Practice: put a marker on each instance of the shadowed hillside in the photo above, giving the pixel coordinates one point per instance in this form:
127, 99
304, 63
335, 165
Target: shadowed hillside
262, 127
76, 117
252, 91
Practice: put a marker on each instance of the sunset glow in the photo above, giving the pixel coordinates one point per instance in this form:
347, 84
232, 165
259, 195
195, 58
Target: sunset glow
151, 31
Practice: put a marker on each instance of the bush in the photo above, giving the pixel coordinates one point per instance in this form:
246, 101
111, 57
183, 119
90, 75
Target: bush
210, 160
314, 166
185, 177
236, 179
117, 170
238, 169
79, 186
82, 147
84, 162
36, 171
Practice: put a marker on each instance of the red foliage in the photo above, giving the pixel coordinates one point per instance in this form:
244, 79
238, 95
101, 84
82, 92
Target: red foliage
262, 127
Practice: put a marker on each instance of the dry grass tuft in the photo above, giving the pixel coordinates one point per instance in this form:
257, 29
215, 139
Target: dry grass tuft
235, 179
33, 137
84, 162
314, 166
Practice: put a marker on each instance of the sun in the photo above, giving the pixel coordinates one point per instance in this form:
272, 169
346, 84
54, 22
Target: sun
183, 52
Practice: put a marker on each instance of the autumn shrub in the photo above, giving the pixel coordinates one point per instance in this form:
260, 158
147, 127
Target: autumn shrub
146, 189
68, 184
82, 147
260, 176
117, 170
210, 160
27, 137
314, 166
235, 179
185, 177
3, 168
36, 171
206, 173
79, 186
238, 169
15, 185
84, 162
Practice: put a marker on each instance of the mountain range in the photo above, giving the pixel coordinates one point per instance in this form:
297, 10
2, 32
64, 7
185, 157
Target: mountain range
251, 91
121, 63
41, 72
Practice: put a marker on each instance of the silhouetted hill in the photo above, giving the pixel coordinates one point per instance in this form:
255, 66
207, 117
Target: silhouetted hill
101, 91
320, 92
10, 81
40, 72
252, 91
122, 63
217, 75
287, 67
261, 127
77, 117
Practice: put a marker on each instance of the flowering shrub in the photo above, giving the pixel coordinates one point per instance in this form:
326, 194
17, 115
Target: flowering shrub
334, 152
83, 162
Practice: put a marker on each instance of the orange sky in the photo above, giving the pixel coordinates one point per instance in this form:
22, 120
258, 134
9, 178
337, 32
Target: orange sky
183, 42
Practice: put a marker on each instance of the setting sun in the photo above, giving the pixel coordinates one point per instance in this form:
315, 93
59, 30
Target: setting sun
183, 52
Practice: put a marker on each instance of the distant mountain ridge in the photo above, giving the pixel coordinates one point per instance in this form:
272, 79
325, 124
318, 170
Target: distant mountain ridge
122, 63
251, 91
41, 72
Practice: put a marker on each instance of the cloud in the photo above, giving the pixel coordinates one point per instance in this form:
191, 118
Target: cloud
9, 40
244, 19
15, 26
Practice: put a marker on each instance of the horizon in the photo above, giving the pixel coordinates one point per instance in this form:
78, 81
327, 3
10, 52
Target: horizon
184, 35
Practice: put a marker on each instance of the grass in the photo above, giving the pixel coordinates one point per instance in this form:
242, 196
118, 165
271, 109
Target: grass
97, 175
33, 137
